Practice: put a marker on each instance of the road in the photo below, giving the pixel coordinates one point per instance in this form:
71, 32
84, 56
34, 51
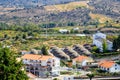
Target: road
62, 78
107, 78
58, 34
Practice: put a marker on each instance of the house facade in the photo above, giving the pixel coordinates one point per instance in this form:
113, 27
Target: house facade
109, 66
98, 40
82, 61
41, 65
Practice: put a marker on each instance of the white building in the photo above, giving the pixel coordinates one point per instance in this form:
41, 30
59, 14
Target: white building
82, 61
76, 29
98, 40
109, 66
41, 65
63, 31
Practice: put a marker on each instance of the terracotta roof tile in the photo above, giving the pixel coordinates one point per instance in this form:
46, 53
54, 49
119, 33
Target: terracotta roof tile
106, 64
36, 57
80, 58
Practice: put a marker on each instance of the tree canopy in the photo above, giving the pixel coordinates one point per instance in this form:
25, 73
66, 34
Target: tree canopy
104, 46
44, 50
10, 68
90, 76
116, 43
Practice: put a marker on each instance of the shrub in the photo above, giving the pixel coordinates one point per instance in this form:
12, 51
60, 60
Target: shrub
95, 49
55, 79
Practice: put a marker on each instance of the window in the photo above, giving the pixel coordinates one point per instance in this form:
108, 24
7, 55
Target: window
40, 61
53, 60
115, 68
31, 60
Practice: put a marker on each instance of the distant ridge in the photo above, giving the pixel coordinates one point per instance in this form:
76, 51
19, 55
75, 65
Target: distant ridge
31, 3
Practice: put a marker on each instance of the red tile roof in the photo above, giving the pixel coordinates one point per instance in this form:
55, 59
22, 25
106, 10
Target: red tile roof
106, 64
80, 58
36, 57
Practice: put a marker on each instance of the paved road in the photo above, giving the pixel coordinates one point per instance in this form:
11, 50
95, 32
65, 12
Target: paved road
62, 77
108, 78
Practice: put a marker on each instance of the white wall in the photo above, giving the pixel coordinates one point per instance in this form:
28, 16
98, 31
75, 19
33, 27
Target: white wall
110, 45
56, 68
112, 69
115, 68
99, 35
73, 62
84, 63
98, 44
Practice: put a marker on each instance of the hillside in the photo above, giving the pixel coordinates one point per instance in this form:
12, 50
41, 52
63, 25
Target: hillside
31, 3
41, 14
78, 12
67, 7
110, 8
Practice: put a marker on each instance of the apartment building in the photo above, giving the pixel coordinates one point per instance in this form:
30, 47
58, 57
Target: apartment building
41, 65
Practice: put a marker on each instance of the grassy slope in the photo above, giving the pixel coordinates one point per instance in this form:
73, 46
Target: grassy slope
100, 17
66, 7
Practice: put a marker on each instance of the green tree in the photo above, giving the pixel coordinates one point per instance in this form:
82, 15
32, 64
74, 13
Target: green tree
16, 37
10, 68
104, 46
90, 76
95, 49
116, 43
44, 50
86, 31
74, 66
47, 74
24, 36
5, 36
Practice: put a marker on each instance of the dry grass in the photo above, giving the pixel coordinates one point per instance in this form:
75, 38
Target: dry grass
9, 33
67, 7
101, 18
